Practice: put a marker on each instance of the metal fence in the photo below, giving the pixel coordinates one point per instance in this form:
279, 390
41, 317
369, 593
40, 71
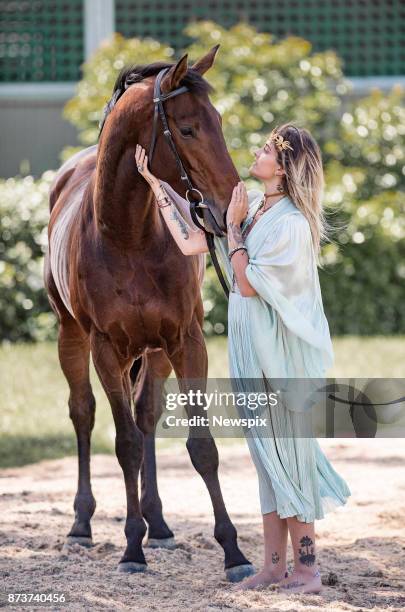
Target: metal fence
42, 40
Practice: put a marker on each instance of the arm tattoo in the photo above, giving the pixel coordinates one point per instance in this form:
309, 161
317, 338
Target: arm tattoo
306, 553
234, 235
180, 222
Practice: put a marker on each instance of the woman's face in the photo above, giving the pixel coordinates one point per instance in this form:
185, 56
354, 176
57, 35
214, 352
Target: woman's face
265, 165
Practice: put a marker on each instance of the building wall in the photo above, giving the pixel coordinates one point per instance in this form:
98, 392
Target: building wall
32, 130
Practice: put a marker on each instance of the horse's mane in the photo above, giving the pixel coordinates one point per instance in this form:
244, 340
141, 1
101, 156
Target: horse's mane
138, 72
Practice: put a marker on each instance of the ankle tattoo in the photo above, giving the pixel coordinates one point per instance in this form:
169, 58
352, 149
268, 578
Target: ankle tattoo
306, 552
275, 557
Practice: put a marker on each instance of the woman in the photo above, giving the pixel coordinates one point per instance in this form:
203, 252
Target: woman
276, 329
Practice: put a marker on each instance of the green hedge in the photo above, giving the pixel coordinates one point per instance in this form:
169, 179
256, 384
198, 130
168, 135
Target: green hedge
24, 309
363, 279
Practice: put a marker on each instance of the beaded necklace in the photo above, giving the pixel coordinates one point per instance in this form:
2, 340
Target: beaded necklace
260, 210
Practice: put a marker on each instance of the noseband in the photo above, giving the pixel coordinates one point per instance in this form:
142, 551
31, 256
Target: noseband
196, 205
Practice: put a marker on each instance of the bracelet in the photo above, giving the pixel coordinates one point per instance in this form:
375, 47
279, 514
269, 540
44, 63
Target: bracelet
239, 248
165, 199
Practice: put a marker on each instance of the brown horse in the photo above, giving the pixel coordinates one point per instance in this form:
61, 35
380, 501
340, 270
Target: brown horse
124, 292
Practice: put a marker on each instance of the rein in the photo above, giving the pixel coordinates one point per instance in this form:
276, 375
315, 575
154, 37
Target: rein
195, 204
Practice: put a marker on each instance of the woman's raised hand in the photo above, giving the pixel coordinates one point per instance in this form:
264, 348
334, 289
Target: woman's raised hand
238, 206
141, 160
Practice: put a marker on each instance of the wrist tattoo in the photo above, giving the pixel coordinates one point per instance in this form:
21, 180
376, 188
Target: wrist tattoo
235, 234
180, 222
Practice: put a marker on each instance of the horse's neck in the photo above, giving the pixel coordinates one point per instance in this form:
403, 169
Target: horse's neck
123, 201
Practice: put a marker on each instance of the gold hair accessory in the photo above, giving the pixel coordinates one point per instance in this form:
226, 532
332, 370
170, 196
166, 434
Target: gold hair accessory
279, 141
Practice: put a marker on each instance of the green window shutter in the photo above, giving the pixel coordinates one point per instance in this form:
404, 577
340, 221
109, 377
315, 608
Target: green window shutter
367, 34
41, 40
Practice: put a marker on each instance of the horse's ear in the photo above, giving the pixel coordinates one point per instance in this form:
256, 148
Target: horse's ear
176, 73
203, 64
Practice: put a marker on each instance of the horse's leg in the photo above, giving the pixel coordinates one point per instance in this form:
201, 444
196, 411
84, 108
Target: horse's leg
189, 362
114, 377
74, 351
148, 408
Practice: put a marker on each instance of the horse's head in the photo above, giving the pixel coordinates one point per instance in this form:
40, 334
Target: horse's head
196, 127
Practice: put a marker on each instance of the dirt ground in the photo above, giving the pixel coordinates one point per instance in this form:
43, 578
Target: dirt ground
361, 547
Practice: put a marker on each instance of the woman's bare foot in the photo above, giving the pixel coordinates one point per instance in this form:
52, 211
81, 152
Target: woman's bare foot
300, 582
262, 578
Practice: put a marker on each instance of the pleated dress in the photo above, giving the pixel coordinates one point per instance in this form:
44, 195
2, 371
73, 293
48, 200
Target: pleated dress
282, 332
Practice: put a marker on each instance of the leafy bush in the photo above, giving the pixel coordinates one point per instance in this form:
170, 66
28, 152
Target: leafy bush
24, 309
364, 271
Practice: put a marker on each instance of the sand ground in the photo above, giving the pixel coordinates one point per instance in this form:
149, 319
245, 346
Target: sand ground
361, 547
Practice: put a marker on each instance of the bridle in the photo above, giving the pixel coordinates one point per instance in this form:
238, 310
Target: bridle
196, 205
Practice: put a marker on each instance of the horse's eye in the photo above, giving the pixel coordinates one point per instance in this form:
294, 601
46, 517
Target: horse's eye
187, 132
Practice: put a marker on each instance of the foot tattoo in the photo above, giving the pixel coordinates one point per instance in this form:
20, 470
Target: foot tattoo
312, 585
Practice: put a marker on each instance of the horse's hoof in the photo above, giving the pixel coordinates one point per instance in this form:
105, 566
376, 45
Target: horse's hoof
169, 543
85, 541
131, 567
239, 572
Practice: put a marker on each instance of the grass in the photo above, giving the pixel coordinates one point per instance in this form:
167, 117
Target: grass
34, 419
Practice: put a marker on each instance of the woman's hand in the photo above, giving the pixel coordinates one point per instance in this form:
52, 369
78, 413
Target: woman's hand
238, 206
141, 160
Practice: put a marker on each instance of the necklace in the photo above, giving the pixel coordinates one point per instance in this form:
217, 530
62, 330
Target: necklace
261, 210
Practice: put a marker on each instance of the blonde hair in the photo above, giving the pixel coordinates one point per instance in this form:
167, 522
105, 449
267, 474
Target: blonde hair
304, 180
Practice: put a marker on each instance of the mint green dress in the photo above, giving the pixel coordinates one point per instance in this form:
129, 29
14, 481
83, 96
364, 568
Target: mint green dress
282, 332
